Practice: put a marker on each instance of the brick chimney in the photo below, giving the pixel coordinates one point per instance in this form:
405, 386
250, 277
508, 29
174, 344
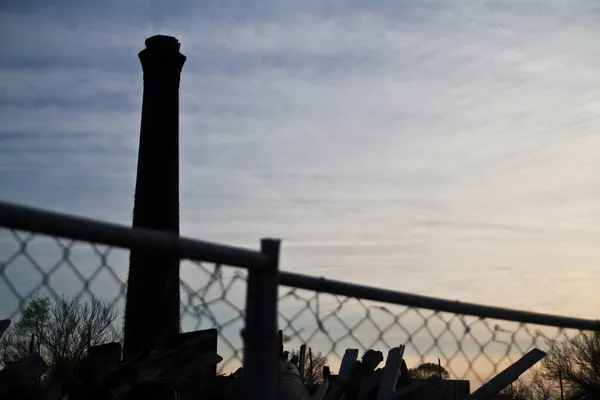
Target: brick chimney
152, 303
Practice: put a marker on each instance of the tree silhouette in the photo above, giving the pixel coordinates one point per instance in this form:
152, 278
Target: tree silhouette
518, 390
426, 370
576, 361
26, 335
59, 331
533, 386
319, 360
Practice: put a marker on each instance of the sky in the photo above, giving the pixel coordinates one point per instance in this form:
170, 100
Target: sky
437, 147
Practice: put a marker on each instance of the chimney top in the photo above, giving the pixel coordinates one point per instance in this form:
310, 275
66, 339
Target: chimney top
163, 43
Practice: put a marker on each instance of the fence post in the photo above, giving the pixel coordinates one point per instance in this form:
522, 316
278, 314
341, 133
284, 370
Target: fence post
260, 332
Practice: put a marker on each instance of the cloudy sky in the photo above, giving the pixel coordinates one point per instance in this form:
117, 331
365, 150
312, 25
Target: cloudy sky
439, 147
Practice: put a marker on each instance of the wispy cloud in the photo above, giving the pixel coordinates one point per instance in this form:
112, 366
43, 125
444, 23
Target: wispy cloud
414, 140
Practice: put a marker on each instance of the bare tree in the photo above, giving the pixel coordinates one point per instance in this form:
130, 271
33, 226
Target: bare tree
519, 390
541, 387
576, 361
12, 347
75, 325
319, 360
533, 386
59, 331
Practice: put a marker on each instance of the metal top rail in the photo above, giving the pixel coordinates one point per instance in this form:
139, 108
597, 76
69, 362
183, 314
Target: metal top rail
84, 229
51, 223
432, 303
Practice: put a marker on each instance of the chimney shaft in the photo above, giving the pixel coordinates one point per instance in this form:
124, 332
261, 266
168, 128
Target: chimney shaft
152, 304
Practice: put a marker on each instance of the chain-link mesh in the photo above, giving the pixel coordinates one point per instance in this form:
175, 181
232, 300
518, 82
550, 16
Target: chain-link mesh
33, 265
213, 296
468, 348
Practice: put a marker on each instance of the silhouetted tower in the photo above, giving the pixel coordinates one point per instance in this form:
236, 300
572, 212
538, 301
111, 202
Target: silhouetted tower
152, 304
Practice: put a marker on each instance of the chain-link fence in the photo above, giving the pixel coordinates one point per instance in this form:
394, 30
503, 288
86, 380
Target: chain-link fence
40, 266
49, 255
468, 348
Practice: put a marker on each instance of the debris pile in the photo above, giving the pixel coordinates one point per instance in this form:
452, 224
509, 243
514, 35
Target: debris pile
182, 368
185, 368
362, 380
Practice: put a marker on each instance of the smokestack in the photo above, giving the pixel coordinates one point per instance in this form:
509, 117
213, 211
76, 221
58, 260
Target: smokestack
152, 303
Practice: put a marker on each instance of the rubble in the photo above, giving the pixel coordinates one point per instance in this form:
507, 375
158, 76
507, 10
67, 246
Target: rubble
17, 376
181, 368
184, 367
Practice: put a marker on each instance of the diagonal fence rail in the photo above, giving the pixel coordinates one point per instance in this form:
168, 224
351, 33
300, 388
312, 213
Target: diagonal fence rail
49, 254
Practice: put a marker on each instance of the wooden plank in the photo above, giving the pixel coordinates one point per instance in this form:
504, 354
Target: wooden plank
322, 391
54, 392
310, 366
301, 361
369, 385
428, 384
371, 359
22, 372
4, 324
348, 363
294, 360
371, 379
280, 343
507, 376
391, 371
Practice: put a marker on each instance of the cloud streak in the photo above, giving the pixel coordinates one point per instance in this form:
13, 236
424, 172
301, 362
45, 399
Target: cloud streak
436, 140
